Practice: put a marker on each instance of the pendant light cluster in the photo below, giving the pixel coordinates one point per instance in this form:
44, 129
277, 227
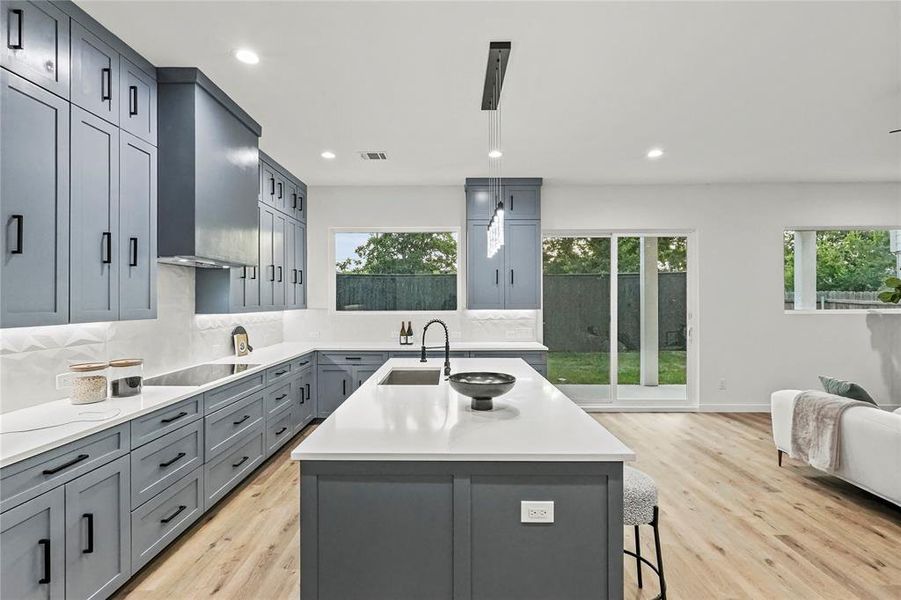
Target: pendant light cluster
498, 54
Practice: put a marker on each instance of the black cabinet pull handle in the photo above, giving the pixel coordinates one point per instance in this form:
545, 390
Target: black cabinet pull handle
303, 362
20, 233
175, 418
301, 276
497, 276
511, 202
343, 386
272, 186
45, 544
294, 276
353, 358
280, 190
282, 397
301, 204
66, 465
107, 239
254, 273
294, 201
132, 100
244, 418
302, 395
281, 431
511, 276
90, 548
106, 83
308, 390
133, 252
279, 274
272, 277
17, 45
243, 273
282, 372
240, 462
177, 458
165, 520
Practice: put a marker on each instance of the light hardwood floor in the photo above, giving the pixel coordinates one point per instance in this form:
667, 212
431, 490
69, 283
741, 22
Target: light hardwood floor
733, 524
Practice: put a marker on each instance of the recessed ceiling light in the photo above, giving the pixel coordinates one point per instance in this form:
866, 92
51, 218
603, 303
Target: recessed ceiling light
495, 154
655, 153
328, 154
246, 56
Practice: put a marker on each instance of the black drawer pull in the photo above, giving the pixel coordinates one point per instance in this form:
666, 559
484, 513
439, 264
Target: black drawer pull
244, 418
106, 84
20, 233
175, 418
280, 373
45, 544
282, 397
303, 362
17, 45
90, 548
106, 253
281, 431
240, 462
177, 458
353, 358
165, 520
74, 461
133, 252
132, 100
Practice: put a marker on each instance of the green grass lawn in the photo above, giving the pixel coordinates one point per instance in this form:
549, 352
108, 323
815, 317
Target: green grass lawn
594, 367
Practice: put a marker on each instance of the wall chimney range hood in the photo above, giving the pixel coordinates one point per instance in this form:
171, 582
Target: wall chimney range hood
208, 174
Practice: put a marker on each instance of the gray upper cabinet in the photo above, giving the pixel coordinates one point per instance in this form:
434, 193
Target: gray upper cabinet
34, 185
278, 254
137, 228
94, 243
522, 264
522, 202
267, 184
36, 43
479, 203
98, 531
267, 262
297, 282
484, 286
34, 550
95, 74
137, 101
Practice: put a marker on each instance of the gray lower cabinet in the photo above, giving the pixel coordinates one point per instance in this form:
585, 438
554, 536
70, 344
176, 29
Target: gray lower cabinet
305, 408
233, 422
137, 101
33, 539
335, 385
279, 429
36, 43
137, 228
156, 465
230, 467
95, 74
98, 533
34, 185
94, 218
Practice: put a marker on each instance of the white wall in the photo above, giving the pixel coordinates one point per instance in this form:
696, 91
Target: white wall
31, 357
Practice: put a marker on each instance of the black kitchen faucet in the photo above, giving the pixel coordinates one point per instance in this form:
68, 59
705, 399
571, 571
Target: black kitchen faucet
447, 369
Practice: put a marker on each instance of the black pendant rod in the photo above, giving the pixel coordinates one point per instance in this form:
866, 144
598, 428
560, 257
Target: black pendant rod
498, 54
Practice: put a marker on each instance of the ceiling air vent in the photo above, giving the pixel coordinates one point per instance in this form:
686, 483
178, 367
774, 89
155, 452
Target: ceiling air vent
369, 155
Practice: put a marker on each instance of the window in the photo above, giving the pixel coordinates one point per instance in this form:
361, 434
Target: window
379, 271
830, 269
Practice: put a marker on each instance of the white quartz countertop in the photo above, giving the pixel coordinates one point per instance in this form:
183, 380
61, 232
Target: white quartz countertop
30, 431
532, 422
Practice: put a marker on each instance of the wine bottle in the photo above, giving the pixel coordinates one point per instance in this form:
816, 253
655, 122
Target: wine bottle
409, 333
401, 338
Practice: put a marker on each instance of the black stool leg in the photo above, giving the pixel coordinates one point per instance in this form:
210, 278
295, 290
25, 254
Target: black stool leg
655, 524
638, 554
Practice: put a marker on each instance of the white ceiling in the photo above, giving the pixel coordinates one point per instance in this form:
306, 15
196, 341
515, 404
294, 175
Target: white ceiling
790, 91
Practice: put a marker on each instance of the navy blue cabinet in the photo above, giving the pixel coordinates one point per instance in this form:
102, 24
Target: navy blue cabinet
137, 228
36, 44
95, 74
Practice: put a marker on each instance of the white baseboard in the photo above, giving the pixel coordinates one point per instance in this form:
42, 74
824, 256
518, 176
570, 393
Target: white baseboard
753, 408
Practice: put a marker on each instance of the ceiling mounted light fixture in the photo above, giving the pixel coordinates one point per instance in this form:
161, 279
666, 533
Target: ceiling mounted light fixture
328, 155
655, 153
247, 56
498, 55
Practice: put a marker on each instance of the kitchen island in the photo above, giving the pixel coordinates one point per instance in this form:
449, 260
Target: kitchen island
407, 493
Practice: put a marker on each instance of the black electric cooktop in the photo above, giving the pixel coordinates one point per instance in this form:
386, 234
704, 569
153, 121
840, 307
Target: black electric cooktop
199, 375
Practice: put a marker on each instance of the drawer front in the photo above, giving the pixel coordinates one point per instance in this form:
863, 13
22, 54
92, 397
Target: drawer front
227, 425
278, 372
159, 423
229, 469
225, 395
280, 396
306, 361
26, 479
353, 358
156, 465
279, 429
155, 524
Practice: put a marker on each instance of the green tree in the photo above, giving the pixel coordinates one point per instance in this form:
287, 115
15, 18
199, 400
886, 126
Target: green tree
847, 261
404, 254
568, 255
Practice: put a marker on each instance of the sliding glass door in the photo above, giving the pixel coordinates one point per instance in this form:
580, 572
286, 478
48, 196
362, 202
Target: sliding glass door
621, 339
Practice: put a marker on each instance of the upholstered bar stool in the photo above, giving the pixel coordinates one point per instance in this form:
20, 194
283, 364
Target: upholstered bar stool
640, 508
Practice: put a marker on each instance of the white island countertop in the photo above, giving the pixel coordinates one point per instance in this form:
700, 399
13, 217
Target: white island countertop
533, 422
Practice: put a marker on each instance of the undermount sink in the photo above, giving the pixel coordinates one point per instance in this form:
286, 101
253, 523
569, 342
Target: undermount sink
412, 377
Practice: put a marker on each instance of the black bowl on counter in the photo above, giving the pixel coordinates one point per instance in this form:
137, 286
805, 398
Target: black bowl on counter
482, 387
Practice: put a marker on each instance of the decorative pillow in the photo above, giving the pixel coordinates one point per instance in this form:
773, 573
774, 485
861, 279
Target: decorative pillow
897, 411
847, 389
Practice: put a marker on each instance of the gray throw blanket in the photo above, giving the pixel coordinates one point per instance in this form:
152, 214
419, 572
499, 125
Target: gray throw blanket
816, 426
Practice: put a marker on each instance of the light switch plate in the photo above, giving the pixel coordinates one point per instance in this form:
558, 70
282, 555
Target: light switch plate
536, 512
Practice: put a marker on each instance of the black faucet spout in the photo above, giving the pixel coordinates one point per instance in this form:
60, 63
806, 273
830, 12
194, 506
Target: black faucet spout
422, 357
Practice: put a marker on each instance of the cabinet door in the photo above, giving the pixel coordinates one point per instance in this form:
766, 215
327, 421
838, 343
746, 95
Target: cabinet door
300, 263
36, 44
362, 373
267, 262
98, 531
301, 210
479, 203
280, 192
306, 408
280, 224
522, 202
522, 272
484, 283
267, 184
94, 218
335, 385
137, 101
95, 74
137, 228
250, 277
34, 186
290, 267
33, 538
291, 198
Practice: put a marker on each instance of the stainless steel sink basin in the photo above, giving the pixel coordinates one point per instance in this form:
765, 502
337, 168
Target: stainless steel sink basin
412, 377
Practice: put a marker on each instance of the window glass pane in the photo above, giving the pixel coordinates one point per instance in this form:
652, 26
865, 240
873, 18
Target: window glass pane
396, 271
840, 268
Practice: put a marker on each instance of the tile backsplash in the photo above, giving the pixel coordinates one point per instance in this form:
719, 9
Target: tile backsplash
31, 357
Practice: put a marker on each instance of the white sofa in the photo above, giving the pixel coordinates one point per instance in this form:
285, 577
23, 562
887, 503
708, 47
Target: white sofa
870, 445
